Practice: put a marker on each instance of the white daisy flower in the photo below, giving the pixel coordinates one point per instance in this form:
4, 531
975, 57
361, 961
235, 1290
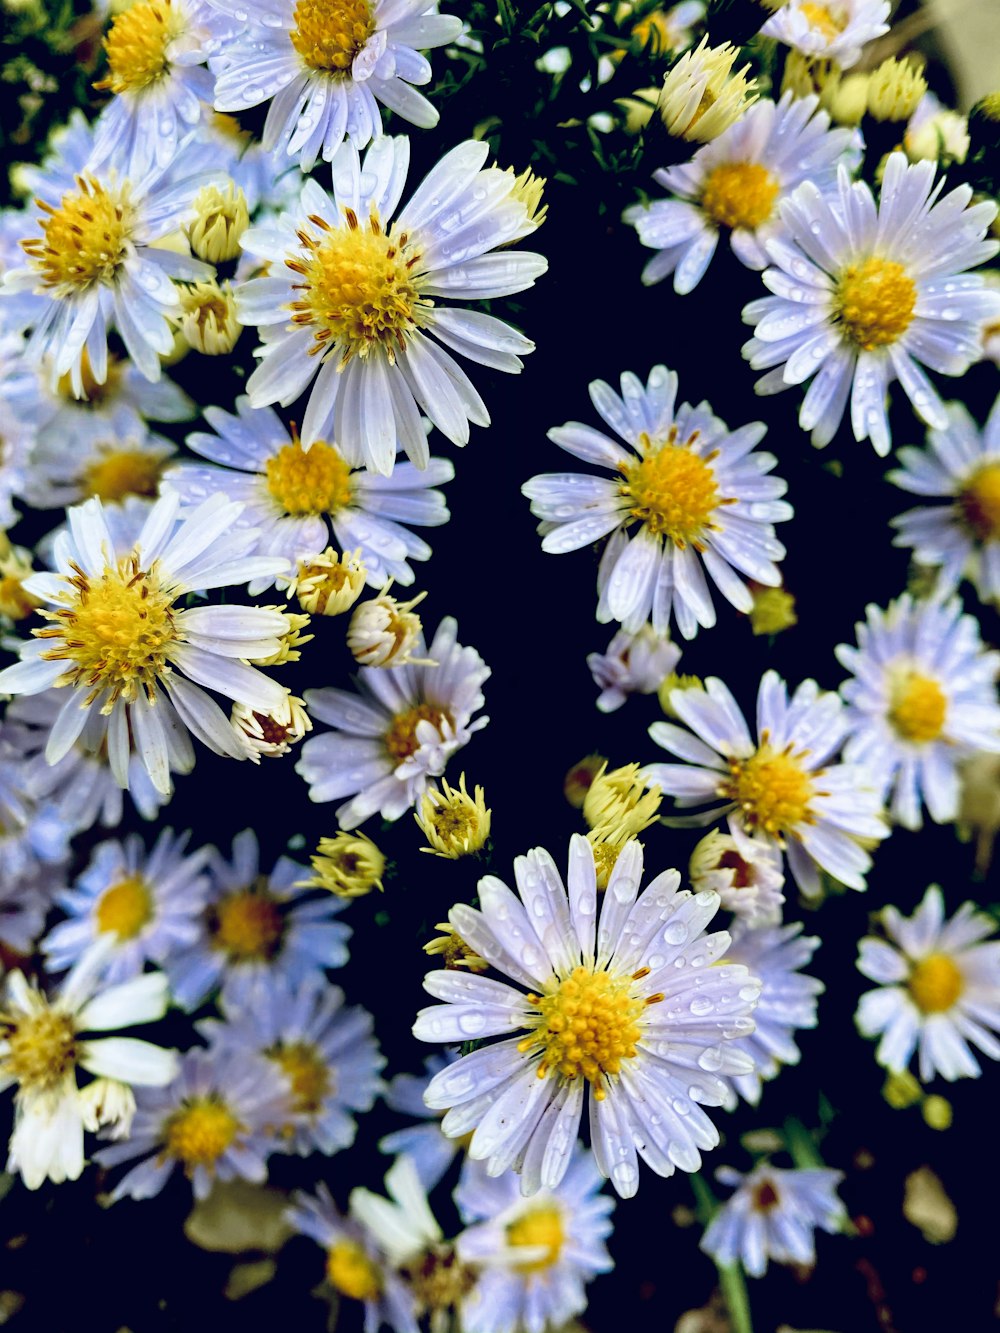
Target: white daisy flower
773, 1215
325, 71
142, 906
961, 467
736, 184
938, 989
326, 1053
430, 1149
44, 1041
156, 52
122, 644
632, 664
864, 294
535, 1256
694, 494
257, 927
399, 731
114, 456
747, 876
98, 265
835, 30
923, 697
60, 414
351, 294
293, 496
787, 998
215, 1121
782, 791
642, 1015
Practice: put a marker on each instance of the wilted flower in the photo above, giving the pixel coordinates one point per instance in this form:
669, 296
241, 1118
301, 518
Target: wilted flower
384, 632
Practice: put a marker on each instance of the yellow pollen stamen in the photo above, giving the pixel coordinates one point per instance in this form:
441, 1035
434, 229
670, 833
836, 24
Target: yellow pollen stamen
875, 300
41, 1049
401, 737
979, 500
823, 20
542, 1226
935, 983
330, 34
137, 45
918, 709
351, 1272
739, 194
772, 790
310, 1078
114, 475
85, 240
671, 489
124, 908
314, 481
248, 923
200, 1132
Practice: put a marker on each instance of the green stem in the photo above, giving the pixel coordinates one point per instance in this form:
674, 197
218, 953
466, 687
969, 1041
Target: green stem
801, 1145
731, 1280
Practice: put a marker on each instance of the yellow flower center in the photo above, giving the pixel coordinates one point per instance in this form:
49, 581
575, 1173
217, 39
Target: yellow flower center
739, 194
351, 1272
772, 790
113, 476
918, 708
401, 736
200, 1132
438, 1280
248, 923
137, 45
588, 1025
41, 1048
306, 1071
314, 481
875, 300
125, 908
979, 500
542, 1226
823, 19
115, 632
86, 239
935, 983
765, 1197
671, 489
329, 34
357, 291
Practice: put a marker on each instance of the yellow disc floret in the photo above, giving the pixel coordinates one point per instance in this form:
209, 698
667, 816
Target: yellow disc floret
41, 1048
330, 34
401, 737
541, 1226
115, 474
979, 501
350, 1271
828, 20
739, 194
248, 923
200, 1132
124, 908
310, 1078
672, 489
875, 301
935, 983
137, 45
86, 239
313, 481
918, 708
772, 790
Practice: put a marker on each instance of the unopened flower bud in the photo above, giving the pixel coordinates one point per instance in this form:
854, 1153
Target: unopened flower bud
349, 865
329, 584
453, 822
221, 218
384, 632
701, 96
273, 734
208, 318
895, 89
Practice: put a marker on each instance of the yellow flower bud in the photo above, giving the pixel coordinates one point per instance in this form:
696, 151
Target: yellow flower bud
15, 567
384, 632
208, 318
773, 610
453, 822
701, 96
902, 1090
349, 865
221, 218
291, 641
580, 776
895, 89
937, 1112
273, 734
675, 682
329, 584
620, 798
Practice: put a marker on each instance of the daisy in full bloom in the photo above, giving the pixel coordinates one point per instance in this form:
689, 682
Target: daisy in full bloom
923, 696
326, 69
787, 998
215, 1121
326, 1053
641, 1013
142, 906
113, 456
353, 295
736, 184
397, 733
960, 468
256, 927
121, 643
632, 664
938, 989
865, 294
747, 876
430, 1149
782, 791
44, 1041
97, 264
773, 1215
832, 30
535, 1256
292, 494
694, 494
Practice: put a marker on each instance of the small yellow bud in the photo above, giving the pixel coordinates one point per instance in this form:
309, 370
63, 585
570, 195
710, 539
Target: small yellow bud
773, 610
349, 865
384, 632
208, 318
15, 567
577, 781
329, 584
902, 1090
937, 1112
701, 96
454, 951
528, 190
895, 89
675, 682
620, 798
221, 218
453, 822
846, 99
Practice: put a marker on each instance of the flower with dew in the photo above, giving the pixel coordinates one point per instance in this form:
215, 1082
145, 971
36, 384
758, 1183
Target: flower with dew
356, 1266
397, 732
122, 644
863, 295
328, 584
788, 999
773, 1214
735, 184
829, 30
960, 535
693, 493
207, 319
215, 1121
922, 696
326, 1053
633, 1005
351, 294
631, 664
535, 1256
701, 96
45, 1040
453, 822
938, 989
98, 264
430, 1149
114, 455
294, 496
325, 69
256, 927
784, 791
348, 865
747, 876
